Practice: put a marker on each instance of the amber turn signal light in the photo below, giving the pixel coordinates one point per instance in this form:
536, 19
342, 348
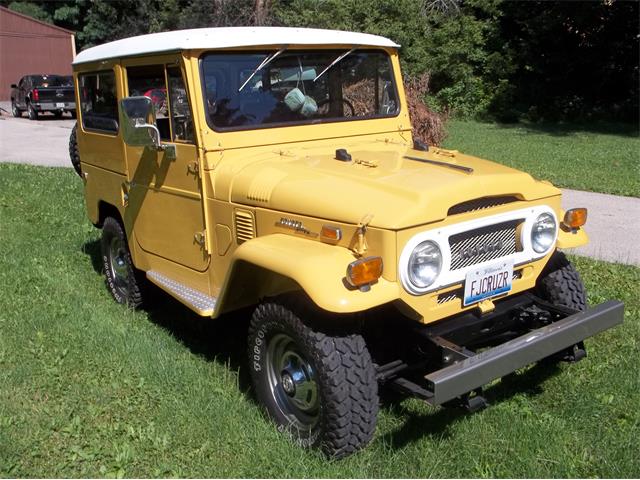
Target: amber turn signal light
574, 218
364, 271
332, 234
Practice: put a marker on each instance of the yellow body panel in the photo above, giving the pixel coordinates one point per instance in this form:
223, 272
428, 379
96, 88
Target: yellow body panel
217, 217
316, 268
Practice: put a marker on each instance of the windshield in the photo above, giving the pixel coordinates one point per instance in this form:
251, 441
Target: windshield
292, 88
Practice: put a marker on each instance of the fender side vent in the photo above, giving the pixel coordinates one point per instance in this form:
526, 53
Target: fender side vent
481, 204
245, 226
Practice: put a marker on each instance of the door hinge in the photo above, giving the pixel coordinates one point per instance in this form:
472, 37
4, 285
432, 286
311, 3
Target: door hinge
124, 194
194, 167
201, 238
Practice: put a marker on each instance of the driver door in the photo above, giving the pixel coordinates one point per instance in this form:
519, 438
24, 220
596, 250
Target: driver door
164, 208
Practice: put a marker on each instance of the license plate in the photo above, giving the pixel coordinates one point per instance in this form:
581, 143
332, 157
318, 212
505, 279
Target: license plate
486, 282
60, 105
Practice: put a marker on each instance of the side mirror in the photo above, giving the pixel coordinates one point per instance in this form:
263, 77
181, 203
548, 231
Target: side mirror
138, 121
13, 85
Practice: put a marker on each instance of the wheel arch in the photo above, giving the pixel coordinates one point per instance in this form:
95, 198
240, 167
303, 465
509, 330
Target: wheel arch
274, 264
105, 210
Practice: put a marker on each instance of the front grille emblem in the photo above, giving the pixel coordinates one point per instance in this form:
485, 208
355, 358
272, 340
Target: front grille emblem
482, 249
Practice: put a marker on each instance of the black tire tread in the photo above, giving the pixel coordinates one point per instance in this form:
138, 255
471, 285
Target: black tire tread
15, 111
560, 283
31, 112
349, 390
74, 154
134, 296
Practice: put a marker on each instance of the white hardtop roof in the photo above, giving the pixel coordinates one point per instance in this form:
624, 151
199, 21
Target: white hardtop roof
227, 37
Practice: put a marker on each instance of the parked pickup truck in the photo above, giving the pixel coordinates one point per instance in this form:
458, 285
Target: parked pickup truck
37, 94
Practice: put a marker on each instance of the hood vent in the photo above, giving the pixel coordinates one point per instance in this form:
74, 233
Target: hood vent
245, 226
481, 204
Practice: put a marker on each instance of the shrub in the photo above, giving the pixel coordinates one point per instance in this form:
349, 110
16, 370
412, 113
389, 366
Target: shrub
427, 124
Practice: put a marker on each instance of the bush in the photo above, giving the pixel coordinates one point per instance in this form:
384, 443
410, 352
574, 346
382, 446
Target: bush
428, 125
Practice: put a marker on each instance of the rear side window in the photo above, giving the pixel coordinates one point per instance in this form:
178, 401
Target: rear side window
99, 101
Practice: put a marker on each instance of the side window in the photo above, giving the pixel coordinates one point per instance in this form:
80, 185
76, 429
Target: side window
181, 121
99, 101
149, 81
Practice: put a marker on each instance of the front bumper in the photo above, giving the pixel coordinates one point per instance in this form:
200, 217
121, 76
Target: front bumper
472, 349
477, 370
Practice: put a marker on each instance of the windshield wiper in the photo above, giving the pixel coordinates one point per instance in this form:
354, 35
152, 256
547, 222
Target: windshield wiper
441, 164
263, 64
333, 63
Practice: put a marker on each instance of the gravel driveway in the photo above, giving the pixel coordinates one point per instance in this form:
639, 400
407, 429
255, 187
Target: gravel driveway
613, 225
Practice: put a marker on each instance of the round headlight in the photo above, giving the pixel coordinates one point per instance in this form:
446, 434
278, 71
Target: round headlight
543, 232
425, 264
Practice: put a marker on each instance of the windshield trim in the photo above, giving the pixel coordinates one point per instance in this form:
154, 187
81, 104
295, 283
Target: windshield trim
302, 123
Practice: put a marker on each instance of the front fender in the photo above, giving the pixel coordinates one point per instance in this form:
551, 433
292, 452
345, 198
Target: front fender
259, 267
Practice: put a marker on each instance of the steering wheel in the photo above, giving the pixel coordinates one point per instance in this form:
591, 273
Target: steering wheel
345, 102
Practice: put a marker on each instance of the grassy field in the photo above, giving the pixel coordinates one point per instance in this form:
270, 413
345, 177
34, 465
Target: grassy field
603, 160
89, 388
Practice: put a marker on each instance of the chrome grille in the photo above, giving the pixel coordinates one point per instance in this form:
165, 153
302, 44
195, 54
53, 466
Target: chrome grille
482, 244
450, 296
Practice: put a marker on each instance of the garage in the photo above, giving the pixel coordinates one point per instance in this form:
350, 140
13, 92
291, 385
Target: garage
29, 46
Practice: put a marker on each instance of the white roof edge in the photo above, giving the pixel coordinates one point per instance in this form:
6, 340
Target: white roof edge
227, 37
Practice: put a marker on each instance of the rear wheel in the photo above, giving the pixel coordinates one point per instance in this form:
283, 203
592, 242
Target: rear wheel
320, 389
15, 111
124, 281
33, 114
74, 155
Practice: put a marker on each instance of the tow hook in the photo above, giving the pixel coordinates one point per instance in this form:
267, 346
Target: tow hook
468, 402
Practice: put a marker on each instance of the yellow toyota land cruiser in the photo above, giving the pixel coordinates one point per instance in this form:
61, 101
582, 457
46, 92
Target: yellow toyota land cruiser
275, 168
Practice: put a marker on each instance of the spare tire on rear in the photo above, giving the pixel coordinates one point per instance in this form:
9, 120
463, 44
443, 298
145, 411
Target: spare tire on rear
73, 151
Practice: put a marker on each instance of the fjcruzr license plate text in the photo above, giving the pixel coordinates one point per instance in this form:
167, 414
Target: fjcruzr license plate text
488, 281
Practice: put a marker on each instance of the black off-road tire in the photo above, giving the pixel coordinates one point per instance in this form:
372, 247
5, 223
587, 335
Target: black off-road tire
560, 284
129, 288
347, 389
15, 111
33, 114
74, 155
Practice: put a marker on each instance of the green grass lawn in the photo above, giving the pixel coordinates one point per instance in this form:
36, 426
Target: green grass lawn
90, 389
605, 160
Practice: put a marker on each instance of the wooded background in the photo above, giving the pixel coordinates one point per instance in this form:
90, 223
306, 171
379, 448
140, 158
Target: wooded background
504, 60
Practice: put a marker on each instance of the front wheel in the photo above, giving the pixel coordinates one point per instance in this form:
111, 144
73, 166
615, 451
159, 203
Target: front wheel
319, 389
560, 284
15, 111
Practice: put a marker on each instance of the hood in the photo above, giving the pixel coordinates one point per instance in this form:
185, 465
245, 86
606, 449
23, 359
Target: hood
397, 192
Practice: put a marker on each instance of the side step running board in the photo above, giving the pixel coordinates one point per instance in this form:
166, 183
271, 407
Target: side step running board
199, 302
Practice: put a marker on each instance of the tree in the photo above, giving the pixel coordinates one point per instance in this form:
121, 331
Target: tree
32, 10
